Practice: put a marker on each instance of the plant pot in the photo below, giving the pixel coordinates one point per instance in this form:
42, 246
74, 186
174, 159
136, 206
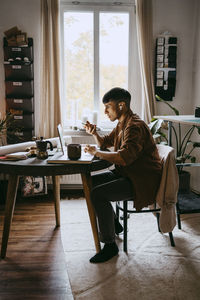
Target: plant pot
184, 182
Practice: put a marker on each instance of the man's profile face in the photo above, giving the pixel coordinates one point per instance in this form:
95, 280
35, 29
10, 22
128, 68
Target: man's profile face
111, 110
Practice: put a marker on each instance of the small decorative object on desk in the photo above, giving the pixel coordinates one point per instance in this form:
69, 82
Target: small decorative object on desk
33, 186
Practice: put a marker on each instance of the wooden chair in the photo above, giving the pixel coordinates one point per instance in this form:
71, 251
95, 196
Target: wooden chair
165, 202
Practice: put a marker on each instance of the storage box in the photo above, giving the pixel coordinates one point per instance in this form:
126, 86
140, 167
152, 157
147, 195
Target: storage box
18, 72
23, 51
24, 121
20, 137
25, 104
19, 89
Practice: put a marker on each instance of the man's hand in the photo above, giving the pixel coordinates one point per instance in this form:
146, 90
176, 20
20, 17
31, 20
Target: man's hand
90, 149
90, 128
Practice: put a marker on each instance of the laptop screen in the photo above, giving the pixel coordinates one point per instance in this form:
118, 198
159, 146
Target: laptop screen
61, 138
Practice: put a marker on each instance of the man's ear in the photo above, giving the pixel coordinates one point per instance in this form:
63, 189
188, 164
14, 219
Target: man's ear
121, 105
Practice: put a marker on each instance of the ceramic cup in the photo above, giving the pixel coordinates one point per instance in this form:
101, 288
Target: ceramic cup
74, 151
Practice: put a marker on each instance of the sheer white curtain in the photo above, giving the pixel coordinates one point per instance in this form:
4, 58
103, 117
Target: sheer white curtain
50, 112
145, 48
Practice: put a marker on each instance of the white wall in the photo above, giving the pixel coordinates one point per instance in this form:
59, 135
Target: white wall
178, 17
196, 91
196, 61
181, 18
25, 14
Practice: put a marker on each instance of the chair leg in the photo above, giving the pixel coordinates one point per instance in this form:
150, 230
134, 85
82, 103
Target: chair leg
178, 216
171, 239
125, 225
117, 212
179, 221
158, 218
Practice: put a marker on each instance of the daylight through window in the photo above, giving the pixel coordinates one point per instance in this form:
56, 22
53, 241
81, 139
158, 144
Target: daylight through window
96, 59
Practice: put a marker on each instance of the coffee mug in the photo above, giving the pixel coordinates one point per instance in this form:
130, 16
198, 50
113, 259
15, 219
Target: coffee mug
74, 151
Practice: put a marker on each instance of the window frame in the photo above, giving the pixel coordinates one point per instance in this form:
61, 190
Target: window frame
96, 9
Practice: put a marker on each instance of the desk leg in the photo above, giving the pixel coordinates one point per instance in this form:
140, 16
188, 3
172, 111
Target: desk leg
9, 209
86, 179
56, 198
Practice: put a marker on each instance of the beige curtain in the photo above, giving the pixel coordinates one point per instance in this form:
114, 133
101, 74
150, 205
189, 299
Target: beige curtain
50, 112
145, 49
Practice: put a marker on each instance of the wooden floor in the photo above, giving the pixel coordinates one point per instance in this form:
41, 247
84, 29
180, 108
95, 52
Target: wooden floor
34, 267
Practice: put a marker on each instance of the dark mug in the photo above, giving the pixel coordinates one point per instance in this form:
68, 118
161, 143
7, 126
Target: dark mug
74, 151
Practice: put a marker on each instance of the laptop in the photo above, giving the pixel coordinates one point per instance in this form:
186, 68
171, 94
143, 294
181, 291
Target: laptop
61, 157
61, 138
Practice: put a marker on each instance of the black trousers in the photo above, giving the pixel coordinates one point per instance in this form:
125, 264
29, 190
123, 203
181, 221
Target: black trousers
108, 187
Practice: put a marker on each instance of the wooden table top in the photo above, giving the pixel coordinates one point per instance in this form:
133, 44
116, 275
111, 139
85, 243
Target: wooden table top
36, 167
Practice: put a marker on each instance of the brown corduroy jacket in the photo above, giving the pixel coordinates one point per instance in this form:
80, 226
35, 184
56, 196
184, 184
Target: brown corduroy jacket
132, 138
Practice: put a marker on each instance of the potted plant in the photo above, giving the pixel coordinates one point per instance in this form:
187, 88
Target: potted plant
7, 128
184, 145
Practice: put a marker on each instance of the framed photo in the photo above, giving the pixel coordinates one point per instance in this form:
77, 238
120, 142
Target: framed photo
33, 186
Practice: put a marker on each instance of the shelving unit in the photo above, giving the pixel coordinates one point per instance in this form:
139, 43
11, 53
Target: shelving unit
19, 86
165, 69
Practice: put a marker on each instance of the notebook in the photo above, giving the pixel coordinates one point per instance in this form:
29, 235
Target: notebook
62, 158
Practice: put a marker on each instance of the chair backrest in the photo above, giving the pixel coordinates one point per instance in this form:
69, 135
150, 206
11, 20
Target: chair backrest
167, 192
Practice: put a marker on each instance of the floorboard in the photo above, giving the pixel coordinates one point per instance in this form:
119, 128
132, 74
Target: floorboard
34, 267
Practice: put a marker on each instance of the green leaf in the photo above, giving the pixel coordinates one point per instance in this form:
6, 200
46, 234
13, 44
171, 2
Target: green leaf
179, 159
156, 136
172, 107
155, 125
164, 143
193, 159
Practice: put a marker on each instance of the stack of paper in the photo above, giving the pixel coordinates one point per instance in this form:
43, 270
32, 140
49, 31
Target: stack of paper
15, 156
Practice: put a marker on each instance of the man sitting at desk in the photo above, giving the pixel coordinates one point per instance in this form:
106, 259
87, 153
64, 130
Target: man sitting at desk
137, 170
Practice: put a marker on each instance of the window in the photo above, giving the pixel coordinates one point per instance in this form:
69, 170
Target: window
95, 52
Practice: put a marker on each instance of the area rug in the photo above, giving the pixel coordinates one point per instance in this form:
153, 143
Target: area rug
152, 269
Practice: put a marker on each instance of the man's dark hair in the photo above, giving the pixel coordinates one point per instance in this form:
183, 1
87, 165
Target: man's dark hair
117, 94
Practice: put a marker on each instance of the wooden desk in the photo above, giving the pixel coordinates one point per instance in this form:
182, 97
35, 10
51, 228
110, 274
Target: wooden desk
36, 167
